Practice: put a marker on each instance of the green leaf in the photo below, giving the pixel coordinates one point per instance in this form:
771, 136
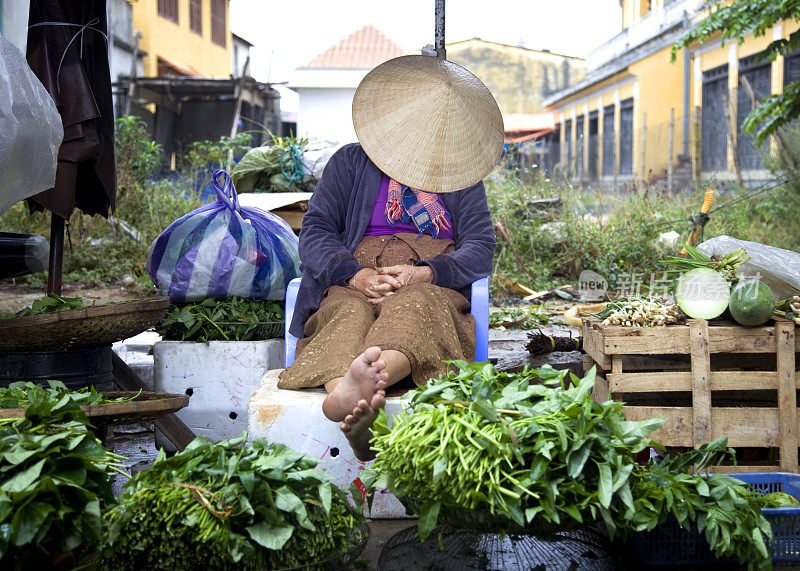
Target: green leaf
270, 535
27, 521
24, 479
325, 496
428, 517
604, 486
439, 468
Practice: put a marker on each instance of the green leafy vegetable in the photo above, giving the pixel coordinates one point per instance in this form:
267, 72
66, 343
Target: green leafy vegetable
263, 169
521, 317
225, 505
54, 481
48, 304
27, 394
534, 448
233, 319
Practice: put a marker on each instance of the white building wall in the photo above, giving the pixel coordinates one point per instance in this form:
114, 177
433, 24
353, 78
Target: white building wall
326, 113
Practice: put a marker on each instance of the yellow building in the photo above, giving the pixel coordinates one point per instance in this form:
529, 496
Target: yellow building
637, 115
184, 37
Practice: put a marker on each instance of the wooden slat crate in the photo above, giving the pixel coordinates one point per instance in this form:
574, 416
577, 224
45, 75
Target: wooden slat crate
674, 372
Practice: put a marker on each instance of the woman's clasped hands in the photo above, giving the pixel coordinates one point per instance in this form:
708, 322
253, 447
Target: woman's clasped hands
379, 284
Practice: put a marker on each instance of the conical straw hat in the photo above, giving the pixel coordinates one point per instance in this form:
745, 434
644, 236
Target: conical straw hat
428, 123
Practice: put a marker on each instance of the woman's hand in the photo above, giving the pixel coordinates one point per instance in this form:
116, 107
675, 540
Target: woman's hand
374, 285
409, 275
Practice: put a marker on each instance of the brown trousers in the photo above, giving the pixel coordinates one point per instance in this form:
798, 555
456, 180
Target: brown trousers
427, 323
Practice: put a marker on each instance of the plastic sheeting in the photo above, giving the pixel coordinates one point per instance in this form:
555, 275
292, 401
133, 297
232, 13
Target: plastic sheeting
30, 130
776, 267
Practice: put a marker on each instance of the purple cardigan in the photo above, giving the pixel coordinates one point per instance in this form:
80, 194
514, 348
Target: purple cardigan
338, 214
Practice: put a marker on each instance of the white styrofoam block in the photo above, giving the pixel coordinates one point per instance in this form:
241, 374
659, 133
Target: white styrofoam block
220, 377
294, 418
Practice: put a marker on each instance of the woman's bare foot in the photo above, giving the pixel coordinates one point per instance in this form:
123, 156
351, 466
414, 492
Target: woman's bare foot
365, 377
357, 426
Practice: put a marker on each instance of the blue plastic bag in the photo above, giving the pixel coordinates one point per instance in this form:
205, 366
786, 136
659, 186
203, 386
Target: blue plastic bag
222, 250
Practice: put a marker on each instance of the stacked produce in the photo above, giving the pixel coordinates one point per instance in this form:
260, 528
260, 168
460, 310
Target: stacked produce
229, 505
640, 312
536, 450
232, 319
704, 289
274, 168
54, 479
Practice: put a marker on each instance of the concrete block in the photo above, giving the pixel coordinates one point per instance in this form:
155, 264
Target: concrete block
294, 418
219, 376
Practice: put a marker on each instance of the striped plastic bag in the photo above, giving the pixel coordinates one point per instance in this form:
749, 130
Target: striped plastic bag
222, 250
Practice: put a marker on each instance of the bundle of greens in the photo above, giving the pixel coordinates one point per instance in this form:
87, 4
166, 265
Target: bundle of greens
265, 169
27, 394
232, 319
48, 304
789, 308
54, 483
727, 265
535, 448
521, 317
229, 504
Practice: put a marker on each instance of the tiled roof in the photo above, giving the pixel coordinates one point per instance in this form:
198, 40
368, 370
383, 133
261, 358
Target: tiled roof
363, 49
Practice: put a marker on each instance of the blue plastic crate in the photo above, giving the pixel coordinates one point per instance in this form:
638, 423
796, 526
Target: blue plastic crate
669, 544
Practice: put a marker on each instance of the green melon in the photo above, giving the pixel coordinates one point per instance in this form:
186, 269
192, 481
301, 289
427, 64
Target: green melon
751, 303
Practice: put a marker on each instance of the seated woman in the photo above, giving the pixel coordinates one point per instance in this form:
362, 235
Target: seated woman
389, 244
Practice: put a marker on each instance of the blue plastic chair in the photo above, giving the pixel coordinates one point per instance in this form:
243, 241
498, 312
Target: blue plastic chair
479, 310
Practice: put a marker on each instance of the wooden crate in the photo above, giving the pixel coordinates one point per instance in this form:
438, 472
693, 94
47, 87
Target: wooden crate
652, 368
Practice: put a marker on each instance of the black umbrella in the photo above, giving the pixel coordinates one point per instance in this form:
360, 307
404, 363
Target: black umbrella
68, 53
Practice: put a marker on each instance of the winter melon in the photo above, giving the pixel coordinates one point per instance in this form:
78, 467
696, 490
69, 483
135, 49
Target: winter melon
751, 303
702, 293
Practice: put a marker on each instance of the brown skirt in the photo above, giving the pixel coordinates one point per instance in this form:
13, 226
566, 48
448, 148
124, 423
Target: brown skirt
427, 323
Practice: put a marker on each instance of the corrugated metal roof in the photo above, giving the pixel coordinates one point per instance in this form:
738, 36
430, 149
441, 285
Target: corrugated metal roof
363, 49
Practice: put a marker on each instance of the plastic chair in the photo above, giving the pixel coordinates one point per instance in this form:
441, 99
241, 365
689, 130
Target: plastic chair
479, 310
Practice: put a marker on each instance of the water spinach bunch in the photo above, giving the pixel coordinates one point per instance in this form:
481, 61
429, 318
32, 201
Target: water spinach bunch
55, 479
534, 448
224, 505
25, 394
232, 319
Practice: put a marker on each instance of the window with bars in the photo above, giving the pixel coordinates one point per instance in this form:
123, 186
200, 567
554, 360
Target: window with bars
219, 30
196, 16
626, 137
168, 9
713, 124
608, 141
759, 75
568, 143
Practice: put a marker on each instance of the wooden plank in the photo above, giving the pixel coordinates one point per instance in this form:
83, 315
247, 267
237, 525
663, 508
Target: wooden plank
675, 339
701, 381
173, 427
787, 401
682, 381
757, 427
592, 343
746, 468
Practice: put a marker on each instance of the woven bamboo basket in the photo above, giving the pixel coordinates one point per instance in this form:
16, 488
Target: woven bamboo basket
85, 327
